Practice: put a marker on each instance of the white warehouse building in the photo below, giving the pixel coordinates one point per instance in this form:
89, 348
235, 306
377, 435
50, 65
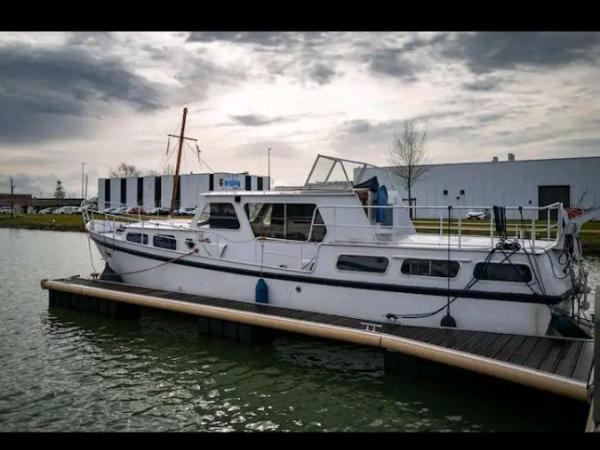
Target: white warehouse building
156, 191
529, 183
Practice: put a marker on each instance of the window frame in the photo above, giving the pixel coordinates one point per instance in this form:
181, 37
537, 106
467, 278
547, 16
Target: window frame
171, 238
143, 238
507, 265
209, 205
309, 237
404, 260
387, 267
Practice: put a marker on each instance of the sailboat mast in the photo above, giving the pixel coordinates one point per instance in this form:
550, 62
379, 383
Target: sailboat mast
176, 177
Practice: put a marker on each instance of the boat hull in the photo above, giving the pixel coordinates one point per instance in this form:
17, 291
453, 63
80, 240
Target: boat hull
477, 314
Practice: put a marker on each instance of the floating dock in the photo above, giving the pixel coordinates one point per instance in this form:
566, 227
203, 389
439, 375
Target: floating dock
562, 366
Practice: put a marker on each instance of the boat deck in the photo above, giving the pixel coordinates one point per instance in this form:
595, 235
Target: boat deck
559, 365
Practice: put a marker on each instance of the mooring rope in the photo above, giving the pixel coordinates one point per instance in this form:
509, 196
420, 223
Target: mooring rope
91, 257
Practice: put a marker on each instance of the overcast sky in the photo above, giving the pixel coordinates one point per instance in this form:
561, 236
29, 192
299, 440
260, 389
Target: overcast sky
103, 98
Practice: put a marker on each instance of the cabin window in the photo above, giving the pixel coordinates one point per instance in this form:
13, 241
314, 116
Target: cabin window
165, 241
363, 263
137, 237
219, 216
502, 272
430, 267
289, 221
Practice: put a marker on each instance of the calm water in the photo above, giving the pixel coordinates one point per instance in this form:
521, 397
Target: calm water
70, 371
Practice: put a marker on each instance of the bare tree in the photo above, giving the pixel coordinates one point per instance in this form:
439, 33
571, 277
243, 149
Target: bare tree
167, 170
124, 170
407, 155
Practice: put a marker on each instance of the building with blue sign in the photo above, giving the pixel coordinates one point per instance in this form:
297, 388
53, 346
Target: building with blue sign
156, 191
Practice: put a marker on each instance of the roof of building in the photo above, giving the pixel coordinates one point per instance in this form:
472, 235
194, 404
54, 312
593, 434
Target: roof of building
515, 161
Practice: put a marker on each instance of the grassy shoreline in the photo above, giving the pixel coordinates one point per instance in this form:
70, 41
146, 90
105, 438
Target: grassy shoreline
590, 234
52, 222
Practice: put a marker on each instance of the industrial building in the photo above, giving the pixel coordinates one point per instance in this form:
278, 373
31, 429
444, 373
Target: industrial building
156, 191
573, 181
18, 203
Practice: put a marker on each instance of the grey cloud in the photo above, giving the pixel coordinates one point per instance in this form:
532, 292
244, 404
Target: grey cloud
99, 40
490, 117
260, 38
362, 136
543, 132
392, 62
581, 144
359, 126
296, 54
365, 127
48, 93
43, 185
264, 38
397, 60
253, 120
485, 84
488, 51
418, 42
322, 74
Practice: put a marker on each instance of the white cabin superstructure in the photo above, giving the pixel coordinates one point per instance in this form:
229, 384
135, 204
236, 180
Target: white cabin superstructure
339, 248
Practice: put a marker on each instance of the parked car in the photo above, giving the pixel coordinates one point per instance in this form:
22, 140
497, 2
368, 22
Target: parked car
478, 214
66, 210
136, 210
120, 210
46, 211
5, 210
159, 211
186, 212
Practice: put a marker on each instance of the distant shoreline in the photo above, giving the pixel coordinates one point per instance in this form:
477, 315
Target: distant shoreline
42, 227
50, 222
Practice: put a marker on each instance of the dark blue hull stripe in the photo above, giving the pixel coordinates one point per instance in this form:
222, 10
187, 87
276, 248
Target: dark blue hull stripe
419, 290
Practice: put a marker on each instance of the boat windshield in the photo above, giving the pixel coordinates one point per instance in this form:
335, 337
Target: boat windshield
335, 173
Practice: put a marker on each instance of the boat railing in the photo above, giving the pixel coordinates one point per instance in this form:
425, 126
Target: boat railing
113, 223
528, 224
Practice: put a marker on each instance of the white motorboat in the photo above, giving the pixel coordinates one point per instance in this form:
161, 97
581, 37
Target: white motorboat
339, 247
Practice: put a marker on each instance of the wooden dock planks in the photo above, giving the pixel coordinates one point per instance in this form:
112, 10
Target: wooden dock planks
567, 358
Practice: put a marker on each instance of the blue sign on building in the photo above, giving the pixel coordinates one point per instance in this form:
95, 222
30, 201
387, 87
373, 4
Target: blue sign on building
233, 183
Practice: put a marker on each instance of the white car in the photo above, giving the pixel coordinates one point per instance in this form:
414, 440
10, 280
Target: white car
478, 214
186, 212
66, 210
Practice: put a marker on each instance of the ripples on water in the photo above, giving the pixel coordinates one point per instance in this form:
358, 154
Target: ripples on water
69, 371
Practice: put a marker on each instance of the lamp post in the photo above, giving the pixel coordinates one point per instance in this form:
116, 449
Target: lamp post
269, 166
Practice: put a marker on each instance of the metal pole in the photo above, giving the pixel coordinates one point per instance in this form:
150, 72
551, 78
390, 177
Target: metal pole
176, 177
82, 172
269, 167
596, 370
12, 198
